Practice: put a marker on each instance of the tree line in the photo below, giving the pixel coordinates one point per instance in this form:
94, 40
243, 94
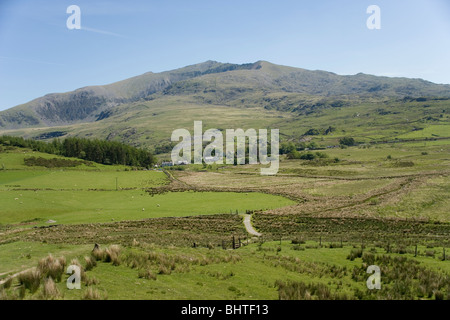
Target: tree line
96, 150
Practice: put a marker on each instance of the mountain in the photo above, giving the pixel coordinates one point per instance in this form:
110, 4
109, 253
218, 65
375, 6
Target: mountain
94, 102
233, 81
143, 110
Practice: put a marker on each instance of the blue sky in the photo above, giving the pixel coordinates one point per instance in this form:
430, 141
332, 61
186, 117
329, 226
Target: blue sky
121, 39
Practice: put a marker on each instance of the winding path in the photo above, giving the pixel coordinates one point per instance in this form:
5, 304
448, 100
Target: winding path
249, 227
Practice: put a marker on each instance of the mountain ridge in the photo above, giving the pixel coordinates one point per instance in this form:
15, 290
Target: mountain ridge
210, 82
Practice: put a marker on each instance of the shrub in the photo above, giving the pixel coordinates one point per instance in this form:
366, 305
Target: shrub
430, 253
355, 253
438, 295
312, 132
298, 240
54, 162
307, 156
347, 141
321, 155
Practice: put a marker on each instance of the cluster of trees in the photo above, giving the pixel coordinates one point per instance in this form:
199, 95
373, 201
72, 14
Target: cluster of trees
316, 132
165, 147
347, 141
100, 151
306, 155
289, 147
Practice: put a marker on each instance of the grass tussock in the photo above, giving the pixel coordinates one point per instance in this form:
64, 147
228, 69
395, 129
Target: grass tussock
29, 280
93, 294
51, 267
89, 262
301, 291
77, 263
50, 291
147, 274
7, 283
89, 281
355, 253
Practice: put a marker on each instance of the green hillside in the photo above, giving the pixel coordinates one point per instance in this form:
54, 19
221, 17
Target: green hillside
144, 110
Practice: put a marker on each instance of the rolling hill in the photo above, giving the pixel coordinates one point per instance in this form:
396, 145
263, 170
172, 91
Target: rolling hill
144, 110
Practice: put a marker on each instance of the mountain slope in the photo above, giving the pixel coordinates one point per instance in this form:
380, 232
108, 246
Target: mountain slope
254, 84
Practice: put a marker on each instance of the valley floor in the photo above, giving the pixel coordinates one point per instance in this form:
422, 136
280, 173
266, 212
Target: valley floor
317, 226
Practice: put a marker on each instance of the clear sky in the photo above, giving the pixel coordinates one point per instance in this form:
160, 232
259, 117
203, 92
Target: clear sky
121, 39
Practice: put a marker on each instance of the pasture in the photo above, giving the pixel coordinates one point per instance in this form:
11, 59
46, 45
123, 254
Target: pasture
170, 236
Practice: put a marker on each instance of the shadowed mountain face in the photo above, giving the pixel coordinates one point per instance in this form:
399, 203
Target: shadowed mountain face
212, 83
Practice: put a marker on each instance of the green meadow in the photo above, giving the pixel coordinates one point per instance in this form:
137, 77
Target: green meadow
255, 272
322, 223
106, 206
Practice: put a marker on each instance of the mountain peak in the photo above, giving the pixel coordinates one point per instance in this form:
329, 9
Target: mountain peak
230, 82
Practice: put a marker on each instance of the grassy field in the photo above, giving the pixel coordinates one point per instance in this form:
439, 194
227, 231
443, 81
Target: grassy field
103, 206
255, 272
78, 195
322, 223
